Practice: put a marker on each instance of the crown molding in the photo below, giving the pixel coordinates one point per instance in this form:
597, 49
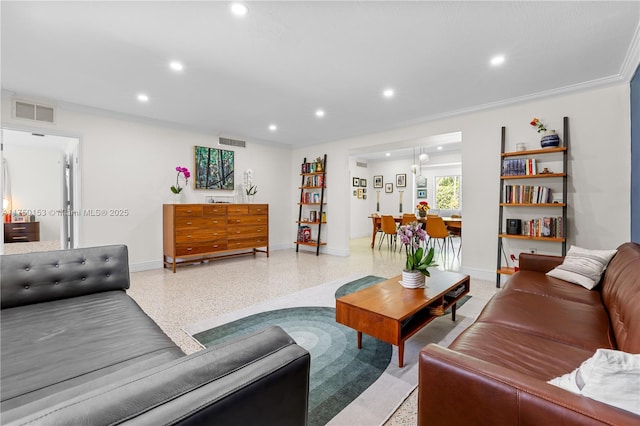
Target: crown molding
632, 59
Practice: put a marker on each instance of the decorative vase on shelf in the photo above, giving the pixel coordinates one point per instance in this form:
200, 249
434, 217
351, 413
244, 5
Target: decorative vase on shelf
412, 279
550, 139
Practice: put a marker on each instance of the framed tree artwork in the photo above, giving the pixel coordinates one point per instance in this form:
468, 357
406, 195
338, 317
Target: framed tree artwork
401, 180
377, 181
214, 168
388, 188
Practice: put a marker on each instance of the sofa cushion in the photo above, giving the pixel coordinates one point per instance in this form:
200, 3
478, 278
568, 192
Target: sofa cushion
56, 346
578, 324
582, 266
543, 285
609, 376
519, 351
621, 295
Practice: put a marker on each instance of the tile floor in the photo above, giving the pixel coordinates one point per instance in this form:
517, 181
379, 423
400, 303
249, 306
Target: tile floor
203, 291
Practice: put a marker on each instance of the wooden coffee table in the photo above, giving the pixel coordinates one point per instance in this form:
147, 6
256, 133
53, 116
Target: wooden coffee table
392, 313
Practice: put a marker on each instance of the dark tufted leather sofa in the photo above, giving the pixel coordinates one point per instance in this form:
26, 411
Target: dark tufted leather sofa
535, 329
76, 350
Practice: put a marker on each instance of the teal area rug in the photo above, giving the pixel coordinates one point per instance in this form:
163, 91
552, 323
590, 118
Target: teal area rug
339, 371
374, 402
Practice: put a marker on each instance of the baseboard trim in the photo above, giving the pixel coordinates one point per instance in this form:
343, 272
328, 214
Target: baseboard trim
479, 274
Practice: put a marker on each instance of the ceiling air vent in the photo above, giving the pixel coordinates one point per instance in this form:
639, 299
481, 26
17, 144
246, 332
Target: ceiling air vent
33, 111
233, 142
361, 164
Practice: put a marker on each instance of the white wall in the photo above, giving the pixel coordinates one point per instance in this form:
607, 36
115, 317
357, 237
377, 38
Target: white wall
599, 188
128, 164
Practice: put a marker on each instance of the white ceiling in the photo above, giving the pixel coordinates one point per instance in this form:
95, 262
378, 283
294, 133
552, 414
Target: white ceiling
284, 60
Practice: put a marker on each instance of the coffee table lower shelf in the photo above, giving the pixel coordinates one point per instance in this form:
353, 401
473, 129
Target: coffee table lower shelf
392, 313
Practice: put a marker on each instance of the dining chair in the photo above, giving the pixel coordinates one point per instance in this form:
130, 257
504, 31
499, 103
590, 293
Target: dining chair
407, 218
437, 231
388, 226
456, 231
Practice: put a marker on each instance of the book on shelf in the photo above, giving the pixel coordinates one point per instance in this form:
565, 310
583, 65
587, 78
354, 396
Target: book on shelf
526, 194
519, 166
304, 234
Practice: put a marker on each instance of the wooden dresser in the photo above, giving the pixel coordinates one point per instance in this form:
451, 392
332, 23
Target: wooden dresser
198, 232
21, 232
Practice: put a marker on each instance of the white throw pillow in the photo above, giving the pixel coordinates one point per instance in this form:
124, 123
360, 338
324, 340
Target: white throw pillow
609, 376
583, 266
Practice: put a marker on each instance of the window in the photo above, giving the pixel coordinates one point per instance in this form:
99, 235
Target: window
448, 192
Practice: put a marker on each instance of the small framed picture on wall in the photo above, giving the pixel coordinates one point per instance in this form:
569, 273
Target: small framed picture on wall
422, 193
388, 188
363, 183
377, 181
356, 181
401, 180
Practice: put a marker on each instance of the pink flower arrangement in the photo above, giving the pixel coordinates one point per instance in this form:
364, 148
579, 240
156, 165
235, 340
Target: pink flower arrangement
411, 236
176, 189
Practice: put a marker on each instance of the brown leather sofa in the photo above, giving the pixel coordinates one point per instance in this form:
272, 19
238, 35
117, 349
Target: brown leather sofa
536, 328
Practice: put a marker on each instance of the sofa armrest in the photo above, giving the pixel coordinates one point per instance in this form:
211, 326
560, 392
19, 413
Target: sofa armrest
457, 389
538, 262
260, 379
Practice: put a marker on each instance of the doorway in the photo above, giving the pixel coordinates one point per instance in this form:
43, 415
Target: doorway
40, 191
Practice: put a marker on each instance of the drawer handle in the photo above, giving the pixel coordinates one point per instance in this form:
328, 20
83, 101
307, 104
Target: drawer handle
237, 220
258, 230
215, 221
22, 228
215, 246
188, 223
189, 249
189, 211
19, 238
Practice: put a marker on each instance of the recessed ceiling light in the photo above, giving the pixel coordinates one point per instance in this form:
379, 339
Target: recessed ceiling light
439, 148
273, 127
388, 154
176, 66
319, 113
143, 98
388, 93
239, 9
497, 60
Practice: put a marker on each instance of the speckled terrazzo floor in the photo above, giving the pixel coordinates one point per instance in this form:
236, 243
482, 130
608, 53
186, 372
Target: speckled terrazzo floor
199, 292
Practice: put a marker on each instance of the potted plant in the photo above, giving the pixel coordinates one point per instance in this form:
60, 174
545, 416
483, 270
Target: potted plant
423, 208
177, 189
251, 191
418, 262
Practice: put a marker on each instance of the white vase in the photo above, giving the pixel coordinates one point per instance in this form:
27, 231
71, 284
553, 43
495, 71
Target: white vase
177, 198
412, 279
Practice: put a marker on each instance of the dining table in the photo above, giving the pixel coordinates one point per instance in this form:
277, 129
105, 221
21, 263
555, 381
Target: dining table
376, 220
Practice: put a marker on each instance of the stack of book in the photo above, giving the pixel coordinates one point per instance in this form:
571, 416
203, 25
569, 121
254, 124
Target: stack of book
519, 167
526, 194
551, 227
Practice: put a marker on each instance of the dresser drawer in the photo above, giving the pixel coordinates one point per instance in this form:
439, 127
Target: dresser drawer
18, 232
237, 232
201, 235
259, 209
185, 249
248, 243
214, 210
186, 223
236, 209
248, 220
189, 210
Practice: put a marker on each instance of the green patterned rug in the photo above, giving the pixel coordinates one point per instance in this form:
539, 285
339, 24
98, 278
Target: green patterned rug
342, 378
